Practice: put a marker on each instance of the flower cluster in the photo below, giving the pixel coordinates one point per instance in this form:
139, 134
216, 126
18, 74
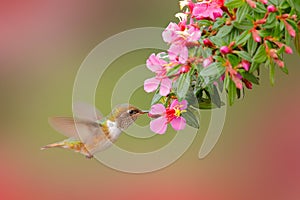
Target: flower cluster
215, 46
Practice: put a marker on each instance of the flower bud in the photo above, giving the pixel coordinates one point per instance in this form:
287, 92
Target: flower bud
271, 8
184, 69
288, 50
264, 1
248, 84
246, 65
255, 35
207, 42
224, 50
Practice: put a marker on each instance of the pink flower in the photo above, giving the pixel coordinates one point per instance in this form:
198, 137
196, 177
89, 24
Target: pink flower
208, 9
168, 115
255, 35
246, 65
157, 65
207, 61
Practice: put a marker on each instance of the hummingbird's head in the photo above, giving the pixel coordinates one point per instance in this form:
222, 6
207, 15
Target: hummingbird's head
126, 114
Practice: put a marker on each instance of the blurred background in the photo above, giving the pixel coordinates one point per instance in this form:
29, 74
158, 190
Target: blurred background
43, 44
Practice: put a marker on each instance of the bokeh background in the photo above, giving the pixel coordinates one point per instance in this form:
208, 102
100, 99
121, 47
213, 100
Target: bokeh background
42, 46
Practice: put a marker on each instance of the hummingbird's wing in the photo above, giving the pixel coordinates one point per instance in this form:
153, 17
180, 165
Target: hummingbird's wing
85, 111
83, 130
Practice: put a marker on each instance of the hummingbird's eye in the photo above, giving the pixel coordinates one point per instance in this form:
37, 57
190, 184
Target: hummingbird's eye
132, 112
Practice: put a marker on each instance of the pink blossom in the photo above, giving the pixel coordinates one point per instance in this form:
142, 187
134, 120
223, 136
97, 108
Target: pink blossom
271, 8
289, 28
171, 114
246, 65
157, 65
255, 35
208, 9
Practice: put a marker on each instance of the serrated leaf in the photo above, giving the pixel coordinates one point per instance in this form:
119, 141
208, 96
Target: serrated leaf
260, 55
244, 24
242, 38
234, 3
213, 70
250, 77
244, 55
284, 70
231, 92
225, 30
272, 72
156, 98
217, 41
234, 60
251, 46
191, 118
260, 8
183, 86
242, 12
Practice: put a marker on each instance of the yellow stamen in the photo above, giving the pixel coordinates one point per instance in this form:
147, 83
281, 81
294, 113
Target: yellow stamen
178, 112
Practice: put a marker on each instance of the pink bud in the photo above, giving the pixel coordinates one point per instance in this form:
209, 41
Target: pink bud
271, 8
207, 42
273, 53
224, 50
288, 50
246, 65
289, 28
248, 84
261, 21
255, 35
264, 1
251, 3
184, 69
280, 63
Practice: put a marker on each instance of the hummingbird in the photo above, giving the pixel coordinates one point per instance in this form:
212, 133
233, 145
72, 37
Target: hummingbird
89, 133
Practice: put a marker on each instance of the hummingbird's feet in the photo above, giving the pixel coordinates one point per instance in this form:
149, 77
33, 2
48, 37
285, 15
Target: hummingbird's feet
89, 156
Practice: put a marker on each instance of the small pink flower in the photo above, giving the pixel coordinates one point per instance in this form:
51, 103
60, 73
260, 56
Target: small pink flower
208, 9
264, 1
157, 65
251, 3
168, 115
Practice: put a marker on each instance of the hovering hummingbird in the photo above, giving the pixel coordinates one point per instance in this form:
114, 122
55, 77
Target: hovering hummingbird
88, 132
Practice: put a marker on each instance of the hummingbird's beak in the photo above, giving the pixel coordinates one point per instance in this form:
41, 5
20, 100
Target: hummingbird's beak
144, 112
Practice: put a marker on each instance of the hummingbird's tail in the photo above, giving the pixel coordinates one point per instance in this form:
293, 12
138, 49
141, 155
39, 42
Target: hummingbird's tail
72, 144
57, 144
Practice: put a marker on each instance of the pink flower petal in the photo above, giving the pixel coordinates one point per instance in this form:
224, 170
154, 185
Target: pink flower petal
157, 109
165, 86
178, 123
151, 84
183, 104
159, 125
180, 51
169, 34
155, 63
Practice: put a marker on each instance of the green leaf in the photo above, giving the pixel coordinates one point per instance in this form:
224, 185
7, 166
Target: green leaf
156, 98
215, 97
242, 38
297, 42
260, 55
231, 92
260, 8
272, 72
284, 70
244, 24
270, 21
213, 70
274, 2
225, 30
234, 60
217, 41
254, 67
234, 3
250, 77
191, 118
242, 11
218, 23
251, 46
244, 55
183, 86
